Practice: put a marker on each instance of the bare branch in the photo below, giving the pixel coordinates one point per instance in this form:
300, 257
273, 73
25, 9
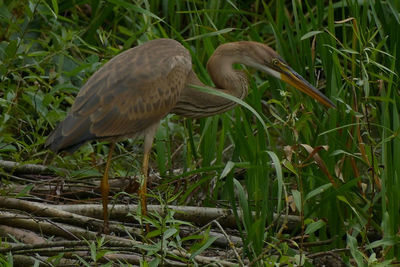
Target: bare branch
15, 167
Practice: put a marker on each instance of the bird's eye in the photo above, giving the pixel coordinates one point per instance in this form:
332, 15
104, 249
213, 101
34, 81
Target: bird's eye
275, 62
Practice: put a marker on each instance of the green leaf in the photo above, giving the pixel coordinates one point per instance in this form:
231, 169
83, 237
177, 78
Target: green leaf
206, 245
340, 151
243, 203
210, 34
11, 48
93, 250
25, 191
312, 227
279, 175
55, 260
4, 12
232, 98
38, 54
136, 8
297, 199
155, 262
154, 233
55, 6
318, 191
290, 167
386, 242
228, 168
357, 255
310, 34
81, 260
192, 237
170, 232
100, 254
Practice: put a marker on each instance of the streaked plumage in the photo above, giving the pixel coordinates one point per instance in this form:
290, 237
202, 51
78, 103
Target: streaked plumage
126, 96
131, 93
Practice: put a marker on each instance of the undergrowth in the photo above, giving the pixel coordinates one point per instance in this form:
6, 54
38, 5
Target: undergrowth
335, 168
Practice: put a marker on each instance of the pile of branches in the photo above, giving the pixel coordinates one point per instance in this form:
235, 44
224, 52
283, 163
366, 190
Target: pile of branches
42, 227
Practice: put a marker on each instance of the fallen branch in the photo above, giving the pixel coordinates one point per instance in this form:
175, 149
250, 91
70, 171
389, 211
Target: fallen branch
21, 235
15, 167
61, 189
56, 213
22, 260
136, 259
66, 247
50, 228
59, 244
231, 244
52, 211
198, 215
90, 215
205, 260
328, 258
112, 243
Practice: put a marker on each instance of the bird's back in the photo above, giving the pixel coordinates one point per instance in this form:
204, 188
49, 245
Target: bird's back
129, 94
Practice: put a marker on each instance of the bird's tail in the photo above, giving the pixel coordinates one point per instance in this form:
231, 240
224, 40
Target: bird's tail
69, 135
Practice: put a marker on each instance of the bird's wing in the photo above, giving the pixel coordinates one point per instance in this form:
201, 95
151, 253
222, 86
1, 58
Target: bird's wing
130, 93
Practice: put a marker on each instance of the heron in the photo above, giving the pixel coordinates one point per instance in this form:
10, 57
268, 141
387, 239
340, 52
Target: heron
129, 95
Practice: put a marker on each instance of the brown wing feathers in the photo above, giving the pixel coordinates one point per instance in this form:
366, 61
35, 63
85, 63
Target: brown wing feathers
126, 96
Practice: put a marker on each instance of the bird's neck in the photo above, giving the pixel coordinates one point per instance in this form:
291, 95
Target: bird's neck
195, 104
225, 78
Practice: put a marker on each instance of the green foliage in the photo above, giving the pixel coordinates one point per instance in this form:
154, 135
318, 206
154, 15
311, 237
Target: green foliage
165, 237
347, 48
6, 260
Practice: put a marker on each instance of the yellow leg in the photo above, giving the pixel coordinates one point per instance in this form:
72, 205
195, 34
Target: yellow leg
148, 142
143, 187
105, 188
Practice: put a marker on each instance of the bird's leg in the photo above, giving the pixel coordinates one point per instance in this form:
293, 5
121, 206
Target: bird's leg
105, 188
143, 186
148, 142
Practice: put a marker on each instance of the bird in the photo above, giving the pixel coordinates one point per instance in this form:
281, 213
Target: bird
129, 95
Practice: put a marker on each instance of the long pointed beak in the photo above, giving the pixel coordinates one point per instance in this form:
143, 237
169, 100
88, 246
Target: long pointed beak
291, 77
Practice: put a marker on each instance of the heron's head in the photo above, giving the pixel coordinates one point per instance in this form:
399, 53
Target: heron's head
265, 59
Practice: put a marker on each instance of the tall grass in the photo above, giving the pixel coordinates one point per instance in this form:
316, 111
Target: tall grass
346, 190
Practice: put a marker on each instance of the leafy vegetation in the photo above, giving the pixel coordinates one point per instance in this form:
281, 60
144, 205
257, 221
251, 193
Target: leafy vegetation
335, 168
